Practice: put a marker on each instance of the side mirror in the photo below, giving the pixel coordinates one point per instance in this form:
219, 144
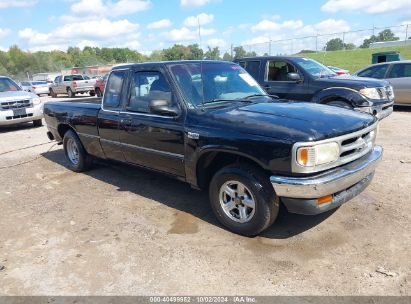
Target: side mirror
162, 107
294, 77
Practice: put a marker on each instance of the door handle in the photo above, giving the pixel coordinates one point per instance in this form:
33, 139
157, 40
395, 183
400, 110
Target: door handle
126, 122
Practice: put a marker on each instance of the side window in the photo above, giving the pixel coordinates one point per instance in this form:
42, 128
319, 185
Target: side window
77, 77
112, 94
253, 68
278, 70
242, 64
375, 71
68, 78
400, 71
145, 87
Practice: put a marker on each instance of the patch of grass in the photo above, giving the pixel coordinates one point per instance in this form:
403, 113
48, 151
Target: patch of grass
353, 60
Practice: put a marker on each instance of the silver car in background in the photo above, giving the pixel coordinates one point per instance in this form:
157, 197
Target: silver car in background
18, 106
36, 87
398, 73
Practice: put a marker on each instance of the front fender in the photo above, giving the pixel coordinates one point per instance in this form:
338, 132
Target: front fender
353, 97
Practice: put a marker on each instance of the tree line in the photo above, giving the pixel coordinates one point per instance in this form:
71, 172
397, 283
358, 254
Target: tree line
337, 44
20, 64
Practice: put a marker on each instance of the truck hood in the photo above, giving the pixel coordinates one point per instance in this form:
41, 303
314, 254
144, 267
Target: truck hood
353, 82
16, 95
292, 121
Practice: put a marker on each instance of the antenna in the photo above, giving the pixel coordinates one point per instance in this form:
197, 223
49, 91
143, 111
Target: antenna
201, 64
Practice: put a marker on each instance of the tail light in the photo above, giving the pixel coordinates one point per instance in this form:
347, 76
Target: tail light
34, 87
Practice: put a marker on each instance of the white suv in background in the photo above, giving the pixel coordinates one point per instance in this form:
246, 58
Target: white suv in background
18, 106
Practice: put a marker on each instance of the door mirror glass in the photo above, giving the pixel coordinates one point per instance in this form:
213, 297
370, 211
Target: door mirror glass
294, 77
162, 107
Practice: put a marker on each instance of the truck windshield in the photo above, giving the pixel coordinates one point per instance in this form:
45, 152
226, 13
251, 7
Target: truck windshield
208, 82
315, 68
6, 84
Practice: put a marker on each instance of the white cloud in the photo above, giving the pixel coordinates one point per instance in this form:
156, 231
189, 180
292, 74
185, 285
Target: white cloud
327, 26
213, 42
202, 18
368, 6
4, 32
272, 26
194, 2
79, 34
81, 10
17, 3
2, 49
185, 34
163, 23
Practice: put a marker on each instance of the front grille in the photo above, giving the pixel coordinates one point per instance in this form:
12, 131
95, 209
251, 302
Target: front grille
15, 104
356, 146
18, 116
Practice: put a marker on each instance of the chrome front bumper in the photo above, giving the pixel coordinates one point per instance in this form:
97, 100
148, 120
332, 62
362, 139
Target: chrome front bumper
380, 111
329, 182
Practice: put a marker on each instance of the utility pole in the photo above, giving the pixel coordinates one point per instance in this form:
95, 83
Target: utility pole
231, 52
343, 40
316, 43
406, 34
269, 47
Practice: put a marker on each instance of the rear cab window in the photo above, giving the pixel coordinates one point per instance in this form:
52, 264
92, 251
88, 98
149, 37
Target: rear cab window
113, 91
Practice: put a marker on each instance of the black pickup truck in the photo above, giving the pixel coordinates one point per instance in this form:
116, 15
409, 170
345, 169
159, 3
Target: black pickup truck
304, 79
210, 124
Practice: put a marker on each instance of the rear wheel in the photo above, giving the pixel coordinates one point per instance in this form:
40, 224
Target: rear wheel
37, 123
340, 103
70, 93
75, 153
92, 93
243, 199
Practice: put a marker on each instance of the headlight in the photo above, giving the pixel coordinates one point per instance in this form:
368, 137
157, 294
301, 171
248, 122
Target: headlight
371, 93
318, 154
36, 101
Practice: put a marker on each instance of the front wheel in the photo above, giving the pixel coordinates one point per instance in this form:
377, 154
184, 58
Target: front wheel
340, 103
75, 153
98, 92
92, 93
52, 94
37, 123
243, 199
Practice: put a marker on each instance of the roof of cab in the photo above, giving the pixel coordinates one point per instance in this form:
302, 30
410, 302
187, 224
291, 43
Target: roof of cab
157, 63
267, 57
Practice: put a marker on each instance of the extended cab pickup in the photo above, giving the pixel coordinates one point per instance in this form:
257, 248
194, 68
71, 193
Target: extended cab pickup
304, 79
71, 85
210, 124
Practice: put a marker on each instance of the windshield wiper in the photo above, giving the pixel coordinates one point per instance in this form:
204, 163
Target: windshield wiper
217, 100
260, 95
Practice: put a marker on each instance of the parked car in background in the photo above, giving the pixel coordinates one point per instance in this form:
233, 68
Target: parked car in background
210, 124
338, 71
397, 73
18, 106
36, 87
71, 85
100, 85
304, 79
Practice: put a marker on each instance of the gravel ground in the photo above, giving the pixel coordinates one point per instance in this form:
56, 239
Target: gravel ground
117, 230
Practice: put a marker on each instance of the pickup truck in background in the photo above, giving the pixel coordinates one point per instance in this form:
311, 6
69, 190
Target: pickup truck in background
71, 85
18, 106
210, 124
304, 79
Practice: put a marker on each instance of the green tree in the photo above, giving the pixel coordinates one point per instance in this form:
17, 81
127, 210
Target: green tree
385, 35
195, 52
239, 52
212, 53
227, 57
335, 44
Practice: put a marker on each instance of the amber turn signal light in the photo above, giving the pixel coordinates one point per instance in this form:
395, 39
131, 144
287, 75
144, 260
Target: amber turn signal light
325, 199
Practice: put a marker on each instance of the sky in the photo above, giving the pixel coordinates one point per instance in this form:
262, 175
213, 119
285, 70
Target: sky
147, 25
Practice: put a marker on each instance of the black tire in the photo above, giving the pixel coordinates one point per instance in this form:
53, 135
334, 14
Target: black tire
52, 94
70, 93
71, 141
340, 103
92, 93
258, 186
37, 123
98, 92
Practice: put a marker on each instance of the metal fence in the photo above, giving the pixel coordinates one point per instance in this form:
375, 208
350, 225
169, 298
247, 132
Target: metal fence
319, 41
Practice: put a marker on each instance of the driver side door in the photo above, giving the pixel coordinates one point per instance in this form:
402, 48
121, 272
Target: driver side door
147, 139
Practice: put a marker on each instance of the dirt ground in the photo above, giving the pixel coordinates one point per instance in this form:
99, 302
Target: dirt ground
118, 230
